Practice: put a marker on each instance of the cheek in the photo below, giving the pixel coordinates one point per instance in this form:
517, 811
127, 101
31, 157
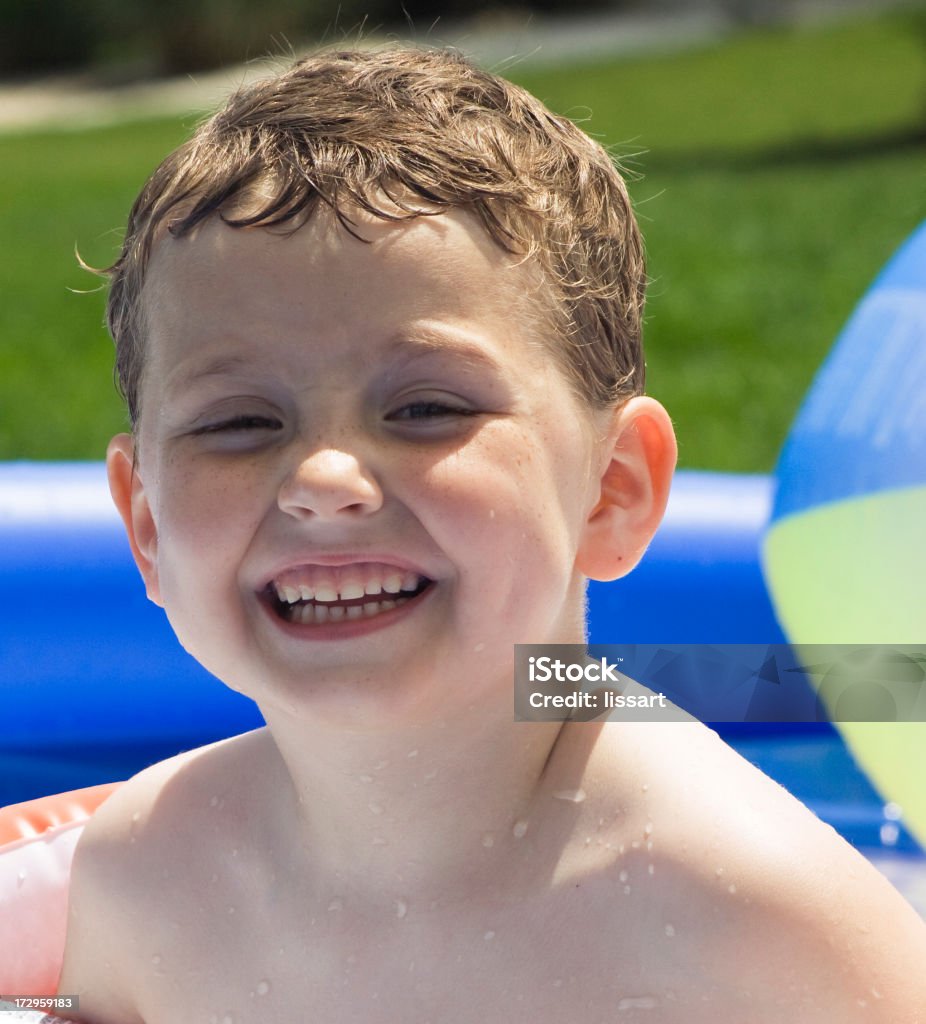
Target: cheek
203, 519
512, 490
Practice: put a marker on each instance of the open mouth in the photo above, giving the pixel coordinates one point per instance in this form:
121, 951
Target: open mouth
313, 595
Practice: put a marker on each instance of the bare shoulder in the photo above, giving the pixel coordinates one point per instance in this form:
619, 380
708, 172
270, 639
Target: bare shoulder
782, 907
144, 848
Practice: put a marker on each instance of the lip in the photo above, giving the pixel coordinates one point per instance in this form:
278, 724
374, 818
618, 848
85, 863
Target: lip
344, 629
339, 560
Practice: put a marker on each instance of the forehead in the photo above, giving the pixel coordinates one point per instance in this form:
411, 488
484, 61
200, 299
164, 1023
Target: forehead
442, 263
326, 299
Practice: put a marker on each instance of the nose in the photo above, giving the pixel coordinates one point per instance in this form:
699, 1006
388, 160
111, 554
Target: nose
327, 483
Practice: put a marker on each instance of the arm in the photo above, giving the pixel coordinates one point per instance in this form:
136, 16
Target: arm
97, 965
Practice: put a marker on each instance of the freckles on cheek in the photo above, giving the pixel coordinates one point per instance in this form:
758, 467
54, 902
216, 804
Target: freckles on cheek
199, 510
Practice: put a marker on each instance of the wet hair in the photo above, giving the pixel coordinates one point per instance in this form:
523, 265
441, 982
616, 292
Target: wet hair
399, 133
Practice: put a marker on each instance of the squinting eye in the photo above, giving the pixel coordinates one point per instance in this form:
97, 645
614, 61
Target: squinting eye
241, 423
429, 410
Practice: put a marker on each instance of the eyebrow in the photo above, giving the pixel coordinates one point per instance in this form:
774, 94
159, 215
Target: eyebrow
221, 366
427, 340
421, 342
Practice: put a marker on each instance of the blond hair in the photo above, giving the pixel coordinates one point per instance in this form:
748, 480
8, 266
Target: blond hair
388, 131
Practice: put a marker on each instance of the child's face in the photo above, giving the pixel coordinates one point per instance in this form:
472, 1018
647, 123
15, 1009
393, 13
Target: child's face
326, 413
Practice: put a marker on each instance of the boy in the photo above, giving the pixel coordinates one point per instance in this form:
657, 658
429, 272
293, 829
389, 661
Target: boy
378, 327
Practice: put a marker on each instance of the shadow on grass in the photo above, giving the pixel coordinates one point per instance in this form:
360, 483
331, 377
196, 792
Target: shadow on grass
795, 153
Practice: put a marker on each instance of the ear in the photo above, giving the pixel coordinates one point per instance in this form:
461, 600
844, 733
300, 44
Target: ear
637, 463
128, 491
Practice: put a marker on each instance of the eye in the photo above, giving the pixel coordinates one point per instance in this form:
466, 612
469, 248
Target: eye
430, 410
236, 424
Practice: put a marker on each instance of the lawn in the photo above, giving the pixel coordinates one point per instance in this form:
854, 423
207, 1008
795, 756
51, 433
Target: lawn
774, 174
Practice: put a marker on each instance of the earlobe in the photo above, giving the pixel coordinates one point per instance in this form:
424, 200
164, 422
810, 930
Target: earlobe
638, 460
131, 501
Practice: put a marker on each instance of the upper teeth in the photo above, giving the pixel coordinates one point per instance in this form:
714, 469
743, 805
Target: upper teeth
343, 583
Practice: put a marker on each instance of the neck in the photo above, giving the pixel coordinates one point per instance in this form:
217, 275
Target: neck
430, 811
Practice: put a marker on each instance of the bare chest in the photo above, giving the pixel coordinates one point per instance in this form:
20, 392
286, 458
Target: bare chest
568, 957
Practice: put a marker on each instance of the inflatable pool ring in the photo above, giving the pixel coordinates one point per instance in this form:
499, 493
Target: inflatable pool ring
844, 556
37, 841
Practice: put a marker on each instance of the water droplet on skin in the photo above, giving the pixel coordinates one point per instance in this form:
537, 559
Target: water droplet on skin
488, 840
228, 1019
136, 817
670, 931
156, 959
20, 879
491, 513
637, 1003
214, 802
644, 788
623, 876
588, 840
719, 872
732, 889
375, 808
401, 908
489, 936
263, 987
379, 767
635, 844
520, 829
412, 753
366, 778
647, 830
651, 868
875, 994
335, 905
575, 796
558, 983
231, 910
479, 647
626, 890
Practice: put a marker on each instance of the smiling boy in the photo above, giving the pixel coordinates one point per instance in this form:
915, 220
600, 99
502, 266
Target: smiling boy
378, 326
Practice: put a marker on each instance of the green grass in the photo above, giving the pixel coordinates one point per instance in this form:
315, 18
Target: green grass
779, 170
61, 191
